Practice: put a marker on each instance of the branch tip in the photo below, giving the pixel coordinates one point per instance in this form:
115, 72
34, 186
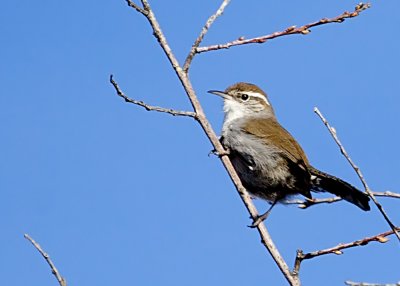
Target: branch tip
338, 249
136, 7
202, 34
147, 107
61, 280
304, 30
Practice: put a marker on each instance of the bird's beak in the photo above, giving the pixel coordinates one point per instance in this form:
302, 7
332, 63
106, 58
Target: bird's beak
219, 93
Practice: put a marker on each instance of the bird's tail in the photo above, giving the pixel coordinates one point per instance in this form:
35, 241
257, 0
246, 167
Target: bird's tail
323, 182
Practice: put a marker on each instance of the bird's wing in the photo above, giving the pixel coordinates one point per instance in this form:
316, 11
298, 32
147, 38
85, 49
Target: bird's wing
271, 131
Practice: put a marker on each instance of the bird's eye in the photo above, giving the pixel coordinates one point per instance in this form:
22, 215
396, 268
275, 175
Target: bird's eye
244, 96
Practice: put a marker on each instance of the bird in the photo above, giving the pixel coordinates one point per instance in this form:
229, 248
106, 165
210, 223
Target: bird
269, 162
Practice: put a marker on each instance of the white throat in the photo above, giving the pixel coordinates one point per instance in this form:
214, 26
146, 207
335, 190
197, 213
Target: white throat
233, 110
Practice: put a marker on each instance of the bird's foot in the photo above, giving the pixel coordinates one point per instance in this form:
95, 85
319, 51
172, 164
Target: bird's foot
259, 219
219, 154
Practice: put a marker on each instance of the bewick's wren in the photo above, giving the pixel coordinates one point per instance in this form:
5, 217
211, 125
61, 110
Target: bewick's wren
269, 161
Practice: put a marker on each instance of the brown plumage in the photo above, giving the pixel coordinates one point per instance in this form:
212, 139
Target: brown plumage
268, 160
269, 130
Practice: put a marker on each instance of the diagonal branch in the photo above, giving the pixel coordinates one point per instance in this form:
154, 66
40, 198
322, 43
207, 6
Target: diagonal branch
303, 204
203, 32
61, 280
332, 131
202, 119
150, 107
303, 30
338, 248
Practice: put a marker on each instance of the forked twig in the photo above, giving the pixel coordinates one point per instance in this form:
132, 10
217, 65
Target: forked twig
338, 248
303, 30
61, 280
332, 131
203, 32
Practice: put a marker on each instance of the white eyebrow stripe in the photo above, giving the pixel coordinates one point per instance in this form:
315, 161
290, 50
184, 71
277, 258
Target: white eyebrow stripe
258, 95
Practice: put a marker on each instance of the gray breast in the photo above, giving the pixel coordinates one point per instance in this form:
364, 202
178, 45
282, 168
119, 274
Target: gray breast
259, 164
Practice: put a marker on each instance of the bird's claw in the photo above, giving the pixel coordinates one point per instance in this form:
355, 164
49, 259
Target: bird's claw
218, 154
259, 219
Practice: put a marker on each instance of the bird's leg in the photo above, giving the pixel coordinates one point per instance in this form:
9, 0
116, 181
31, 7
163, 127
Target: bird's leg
226, 152
260, 218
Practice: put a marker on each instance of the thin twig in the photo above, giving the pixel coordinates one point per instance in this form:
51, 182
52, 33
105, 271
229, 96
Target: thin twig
61, 280
332, 131
135, 6
203, 32
351, 283
202, 119
338, 248
149, 107
306, 203
303, 30
387, 194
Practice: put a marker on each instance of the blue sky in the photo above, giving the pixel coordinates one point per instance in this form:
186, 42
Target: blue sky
117, 195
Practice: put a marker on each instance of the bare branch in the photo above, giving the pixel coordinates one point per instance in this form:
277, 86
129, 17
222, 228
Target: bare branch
54, 270
135, 6
387, 194
203, 32
350, 283
303, 30
201, 118
338, 249
332, 131
198, 114
303, 204
149, 107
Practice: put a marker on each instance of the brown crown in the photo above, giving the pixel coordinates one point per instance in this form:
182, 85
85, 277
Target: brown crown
244, 86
